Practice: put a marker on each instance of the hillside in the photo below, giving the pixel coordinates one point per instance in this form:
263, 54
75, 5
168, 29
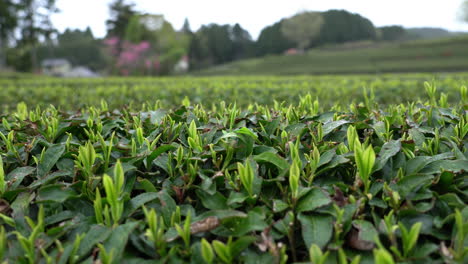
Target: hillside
430, 33
446, 54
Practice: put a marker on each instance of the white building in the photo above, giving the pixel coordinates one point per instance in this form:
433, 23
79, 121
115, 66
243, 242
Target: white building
55, 67
183, 65
81, 72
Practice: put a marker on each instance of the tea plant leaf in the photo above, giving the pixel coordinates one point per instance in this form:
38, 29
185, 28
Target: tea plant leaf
157, 152
316, 229
455, 166
96, 234
329, 127
409, 183
55, 193
241, 244
314, 199
138, 201
272, 158
418, 163
119, 238
388, 150
18, 174
365, 235
254, 221
2, 177
222, 214
213, 202
51, 156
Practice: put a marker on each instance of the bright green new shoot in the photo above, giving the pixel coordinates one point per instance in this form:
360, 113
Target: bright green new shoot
382, 256
410, 237
194, 139
104, 256
85, 160
353, 138
316, 255
155, 231
184, 232
365, 159
3, 242
246, 175
114, 191
98, 212
2, 178
294, 177
207, 251
223, 250
460, 251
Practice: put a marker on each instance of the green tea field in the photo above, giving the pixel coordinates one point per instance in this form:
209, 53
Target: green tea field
331, 91
312, 169
439, 55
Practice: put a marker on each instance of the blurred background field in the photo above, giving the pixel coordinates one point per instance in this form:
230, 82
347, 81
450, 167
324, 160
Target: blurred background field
440, 55
137, 38
330, 90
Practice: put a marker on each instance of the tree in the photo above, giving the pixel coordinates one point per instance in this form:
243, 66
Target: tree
186, 27
197, 54
135, 31
121, 14
303, 29
78, 47
272, 41
8, 23
149, 46
218, 41
34, 24
242, 43
342, 26
216, 44
391, 33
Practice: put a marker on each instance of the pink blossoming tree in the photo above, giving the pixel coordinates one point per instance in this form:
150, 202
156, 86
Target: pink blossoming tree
131, 58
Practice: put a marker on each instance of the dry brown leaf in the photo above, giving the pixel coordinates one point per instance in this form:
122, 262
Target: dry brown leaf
356, 242
5, 207
339, 197
205, 225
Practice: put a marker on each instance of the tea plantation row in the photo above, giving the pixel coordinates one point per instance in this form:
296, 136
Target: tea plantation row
220, 183
119, 92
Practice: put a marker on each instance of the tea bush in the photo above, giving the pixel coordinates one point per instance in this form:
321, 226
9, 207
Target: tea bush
70, 94
223, 183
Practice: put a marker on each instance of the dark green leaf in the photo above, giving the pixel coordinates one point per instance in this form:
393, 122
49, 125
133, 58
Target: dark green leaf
213, 202
55, 193
388, 150
96, 234
314, 199
51, 156
119, 237
329, 127
274, 159
418, 163
139, 201
156, 153
18, 174
316, 229
455, 166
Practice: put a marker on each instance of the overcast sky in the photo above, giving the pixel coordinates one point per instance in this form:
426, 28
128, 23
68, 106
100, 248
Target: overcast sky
254, 15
